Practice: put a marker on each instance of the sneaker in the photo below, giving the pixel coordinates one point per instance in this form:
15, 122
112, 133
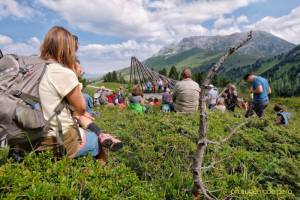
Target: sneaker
110, 142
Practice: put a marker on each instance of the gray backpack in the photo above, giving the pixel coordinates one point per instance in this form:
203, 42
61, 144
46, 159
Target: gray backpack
21, 116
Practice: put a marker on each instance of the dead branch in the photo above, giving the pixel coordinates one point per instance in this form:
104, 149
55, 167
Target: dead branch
231, 133
202, 141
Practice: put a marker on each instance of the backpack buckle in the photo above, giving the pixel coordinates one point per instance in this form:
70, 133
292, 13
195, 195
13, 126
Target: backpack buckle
16, 93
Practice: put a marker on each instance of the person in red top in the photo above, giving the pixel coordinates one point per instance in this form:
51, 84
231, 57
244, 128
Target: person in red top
111, 98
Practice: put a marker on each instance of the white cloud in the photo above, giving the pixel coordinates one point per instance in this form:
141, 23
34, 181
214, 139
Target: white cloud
104, 58
4, 40
30, 47
144, 25
287, 27
142, 19
13, 8
221, 22
242, 19
226, 26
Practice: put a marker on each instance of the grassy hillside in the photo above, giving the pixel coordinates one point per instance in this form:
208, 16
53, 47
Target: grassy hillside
155, 162
193, 58
198, 59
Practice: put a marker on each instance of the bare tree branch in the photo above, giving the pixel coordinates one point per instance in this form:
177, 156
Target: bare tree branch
231, 133
202, 141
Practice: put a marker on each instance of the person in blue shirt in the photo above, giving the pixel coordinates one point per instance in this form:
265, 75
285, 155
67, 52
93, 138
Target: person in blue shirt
283, 117
261, 90
89, 103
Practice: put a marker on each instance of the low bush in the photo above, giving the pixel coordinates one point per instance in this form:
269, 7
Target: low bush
261, 162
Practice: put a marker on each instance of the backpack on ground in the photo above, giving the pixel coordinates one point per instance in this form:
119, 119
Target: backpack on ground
21, 116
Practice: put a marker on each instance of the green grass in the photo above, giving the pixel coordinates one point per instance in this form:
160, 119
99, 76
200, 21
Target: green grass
110, 85
155, 162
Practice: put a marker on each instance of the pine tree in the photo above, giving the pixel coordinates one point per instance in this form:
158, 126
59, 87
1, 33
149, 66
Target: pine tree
108, 77
114, 77
163, 72
121, 78
199, 77
173, 74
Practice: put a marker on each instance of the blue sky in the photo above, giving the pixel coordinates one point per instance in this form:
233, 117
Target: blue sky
110, 32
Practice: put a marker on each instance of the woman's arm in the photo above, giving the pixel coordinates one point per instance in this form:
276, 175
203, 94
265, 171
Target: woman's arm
76, 99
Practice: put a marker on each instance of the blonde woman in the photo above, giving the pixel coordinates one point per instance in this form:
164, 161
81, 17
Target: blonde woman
60, 83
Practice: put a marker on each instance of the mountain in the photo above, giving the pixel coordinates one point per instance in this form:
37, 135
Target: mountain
262, 44
201, 51
90, 76
283, 72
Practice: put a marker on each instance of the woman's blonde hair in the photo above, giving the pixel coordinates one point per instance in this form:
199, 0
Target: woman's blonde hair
232, 86
59, 44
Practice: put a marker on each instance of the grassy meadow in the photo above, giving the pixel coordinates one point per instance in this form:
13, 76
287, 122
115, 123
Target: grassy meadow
261, 162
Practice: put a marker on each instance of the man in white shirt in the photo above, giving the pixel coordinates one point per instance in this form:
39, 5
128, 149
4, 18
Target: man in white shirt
212, 96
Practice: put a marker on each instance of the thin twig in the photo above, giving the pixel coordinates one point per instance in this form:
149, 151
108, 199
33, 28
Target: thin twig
231, 133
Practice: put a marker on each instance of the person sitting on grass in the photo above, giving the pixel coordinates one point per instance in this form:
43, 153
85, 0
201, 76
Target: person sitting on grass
150, 101
231, 97
111, 99
60, 82
186, 93
156, 102
121, 96
283, 117
149, 86
136, 101
220, 106
167, 102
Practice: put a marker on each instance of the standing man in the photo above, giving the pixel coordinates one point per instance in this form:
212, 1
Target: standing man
261, 91
186, 93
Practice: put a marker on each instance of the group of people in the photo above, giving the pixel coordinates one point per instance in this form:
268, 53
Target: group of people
105, 96
226, 100
81, 136
183, 98
155, 86
260, 92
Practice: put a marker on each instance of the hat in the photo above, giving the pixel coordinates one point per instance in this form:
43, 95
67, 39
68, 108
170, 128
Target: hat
211, 86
